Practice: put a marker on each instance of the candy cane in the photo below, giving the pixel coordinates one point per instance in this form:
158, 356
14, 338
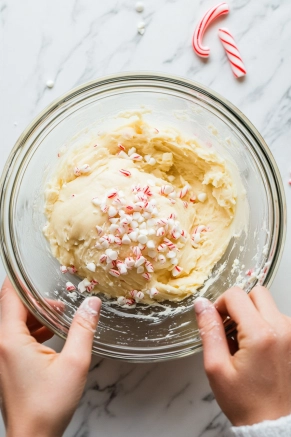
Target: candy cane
211, 15
232, 52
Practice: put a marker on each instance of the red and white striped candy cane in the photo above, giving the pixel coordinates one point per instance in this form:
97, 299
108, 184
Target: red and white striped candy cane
232, 52
211, 15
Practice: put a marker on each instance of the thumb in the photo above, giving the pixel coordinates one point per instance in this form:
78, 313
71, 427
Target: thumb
78, 347
215, 347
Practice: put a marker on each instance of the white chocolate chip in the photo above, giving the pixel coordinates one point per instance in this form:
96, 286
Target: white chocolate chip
122, 155
91, 267
131, 151
136, 215
152, 253
96, 201
139, 7
113, 228
142, 239
202, 197
133, 235
126, 239
81, 287
50, 83
151, 223
121, 300
171, 254
112, 211
168, 189
151, 244
141, 27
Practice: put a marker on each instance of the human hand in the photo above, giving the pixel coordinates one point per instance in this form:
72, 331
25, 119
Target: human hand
40, 388
251, 376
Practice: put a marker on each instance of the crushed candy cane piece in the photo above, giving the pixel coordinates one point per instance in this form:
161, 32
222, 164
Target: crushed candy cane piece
177, 271
70, 286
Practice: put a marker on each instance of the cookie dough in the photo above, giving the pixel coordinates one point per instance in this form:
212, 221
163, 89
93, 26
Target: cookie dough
141, 215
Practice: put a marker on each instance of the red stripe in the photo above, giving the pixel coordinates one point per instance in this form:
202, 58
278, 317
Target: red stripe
239, 68
232, 54
221, 13
197, 51
225, 31
232, 45
198, 36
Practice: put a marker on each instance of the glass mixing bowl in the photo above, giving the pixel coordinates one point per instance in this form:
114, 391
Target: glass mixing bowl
144, 333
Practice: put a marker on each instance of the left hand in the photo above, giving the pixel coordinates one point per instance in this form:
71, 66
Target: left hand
40, 388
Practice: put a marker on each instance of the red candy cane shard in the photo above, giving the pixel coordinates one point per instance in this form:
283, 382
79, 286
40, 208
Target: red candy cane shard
232, 52
210, 16
125, 172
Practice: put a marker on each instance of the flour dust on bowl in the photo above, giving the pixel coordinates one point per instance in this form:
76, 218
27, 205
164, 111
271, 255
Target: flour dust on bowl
146, 331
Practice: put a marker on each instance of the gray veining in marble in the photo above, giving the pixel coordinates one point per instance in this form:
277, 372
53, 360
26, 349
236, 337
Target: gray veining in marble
73, 41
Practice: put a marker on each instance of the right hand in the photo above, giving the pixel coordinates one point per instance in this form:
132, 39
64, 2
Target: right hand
250, 378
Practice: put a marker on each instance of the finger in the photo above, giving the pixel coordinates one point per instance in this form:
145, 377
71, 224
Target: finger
57, 305
43, 334
215, 348
13, 313
32, 323
78, 347
265, 304
237, 304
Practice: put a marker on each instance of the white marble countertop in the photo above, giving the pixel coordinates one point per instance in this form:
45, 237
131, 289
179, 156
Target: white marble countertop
73, 41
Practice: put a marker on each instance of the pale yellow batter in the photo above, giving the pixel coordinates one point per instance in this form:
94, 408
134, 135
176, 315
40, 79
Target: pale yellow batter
145, 214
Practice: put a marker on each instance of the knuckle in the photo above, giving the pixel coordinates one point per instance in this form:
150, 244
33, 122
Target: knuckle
213, 368
209, 326
231, 292
84, 323
4, 292
4, 348
79, 363
267, 340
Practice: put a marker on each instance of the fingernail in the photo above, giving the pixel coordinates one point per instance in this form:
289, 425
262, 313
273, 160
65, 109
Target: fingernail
90, 307
201, 304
